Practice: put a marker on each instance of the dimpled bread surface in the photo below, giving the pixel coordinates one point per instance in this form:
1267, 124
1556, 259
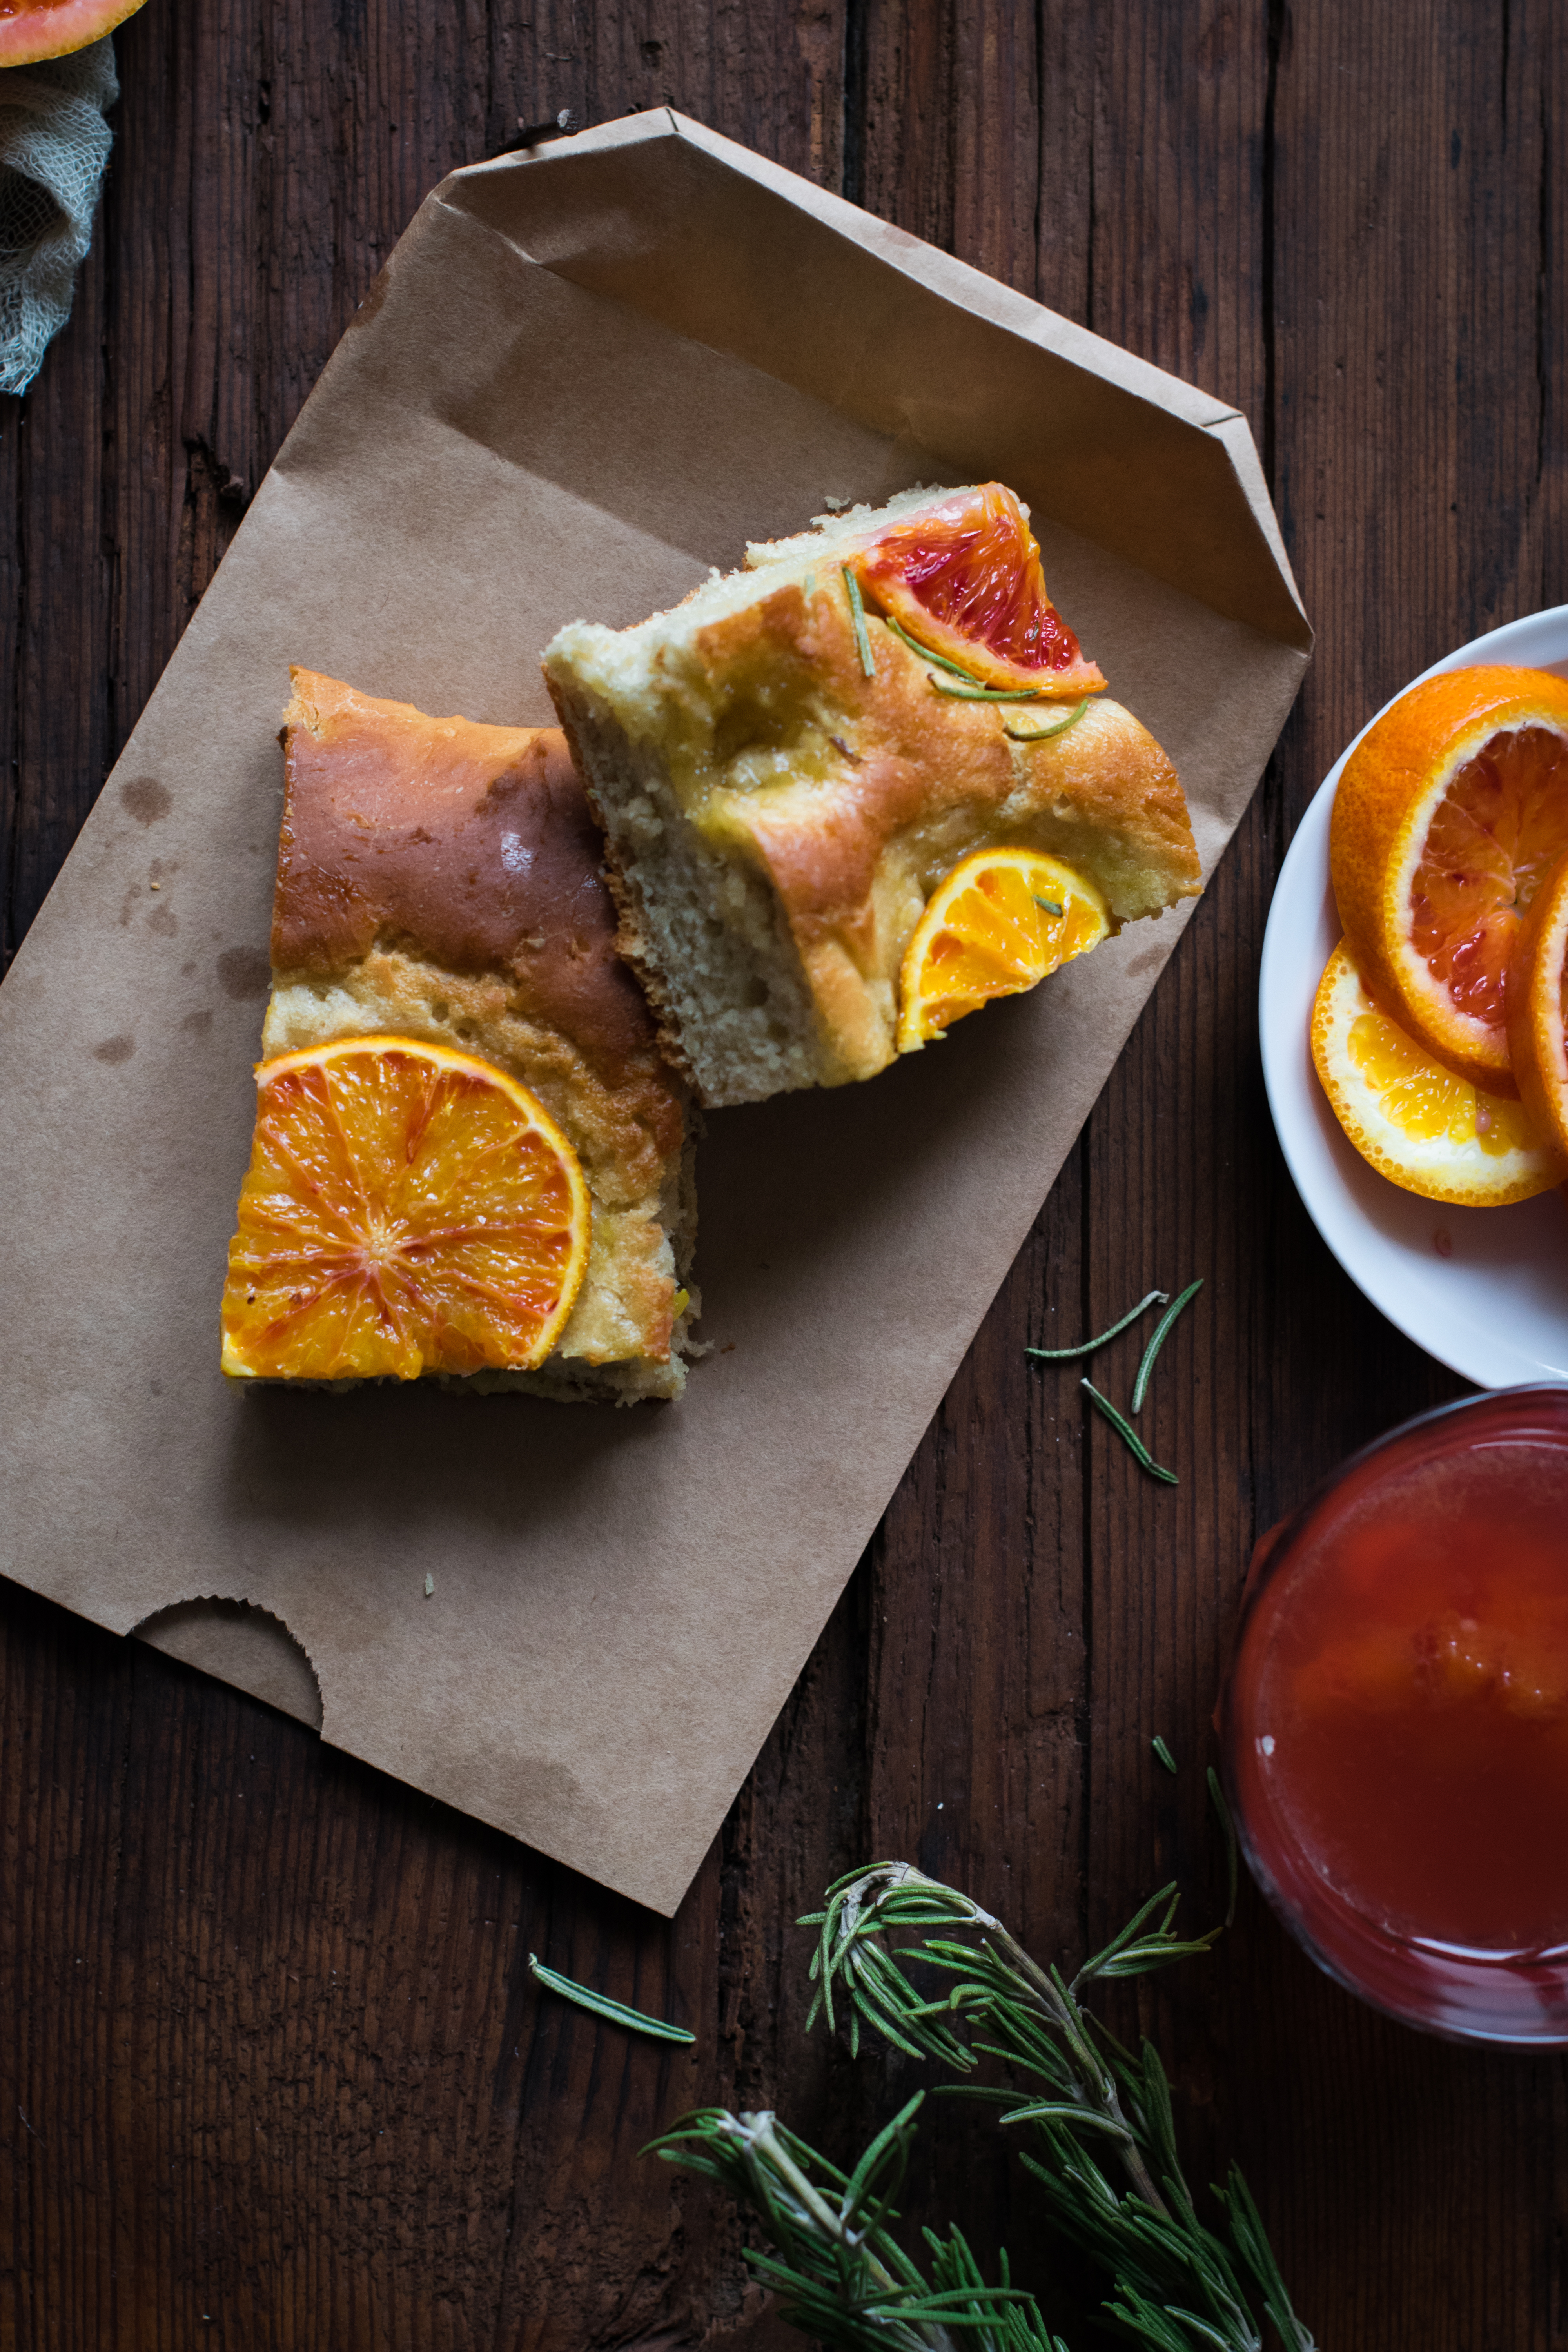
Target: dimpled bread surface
776, 819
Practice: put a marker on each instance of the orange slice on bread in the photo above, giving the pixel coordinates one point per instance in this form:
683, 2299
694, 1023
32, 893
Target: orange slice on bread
407, 1210
962, 578
1001, 921
1538, 1010
1414, 1121
1450, 812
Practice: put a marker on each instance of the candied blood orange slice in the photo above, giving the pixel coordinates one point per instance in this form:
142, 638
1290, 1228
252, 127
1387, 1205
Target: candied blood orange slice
1000, 921
1450, 811
963, 576
1415, 1122
1538, 1010
406, 1210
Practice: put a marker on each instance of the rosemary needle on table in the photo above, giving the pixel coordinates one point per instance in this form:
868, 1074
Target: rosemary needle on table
1158, 1342
1125, 1430
1163, 1752
601, 2005
1058, 1355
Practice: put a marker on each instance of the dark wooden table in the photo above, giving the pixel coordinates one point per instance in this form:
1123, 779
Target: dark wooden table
272, 2070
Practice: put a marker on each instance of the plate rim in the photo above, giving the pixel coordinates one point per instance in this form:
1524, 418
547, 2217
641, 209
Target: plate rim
1298, 873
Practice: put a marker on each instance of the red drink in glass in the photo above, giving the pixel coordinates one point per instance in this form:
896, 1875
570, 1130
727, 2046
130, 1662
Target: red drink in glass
1396, 1721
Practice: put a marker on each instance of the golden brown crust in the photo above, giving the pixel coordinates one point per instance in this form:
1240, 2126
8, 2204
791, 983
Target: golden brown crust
473, 844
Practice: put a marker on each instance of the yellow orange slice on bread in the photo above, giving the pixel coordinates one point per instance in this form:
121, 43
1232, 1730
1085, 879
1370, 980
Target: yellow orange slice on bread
406, 1210
1002, 921
1538, 1010
1450, 812
1414, 1120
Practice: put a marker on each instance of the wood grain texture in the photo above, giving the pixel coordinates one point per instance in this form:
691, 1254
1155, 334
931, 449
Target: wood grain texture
273, 2074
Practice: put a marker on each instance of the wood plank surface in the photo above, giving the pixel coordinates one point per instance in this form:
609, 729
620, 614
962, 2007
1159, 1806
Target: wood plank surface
273, 2074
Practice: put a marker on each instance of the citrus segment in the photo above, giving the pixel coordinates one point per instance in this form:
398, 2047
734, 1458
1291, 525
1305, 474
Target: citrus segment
1419, 1123
1538, 1010
964, 578
406, 1210
999, 922
1450, 813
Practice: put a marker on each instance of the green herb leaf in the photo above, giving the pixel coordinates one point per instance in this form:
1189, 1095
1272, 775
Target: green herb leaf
1124, 1429
926, 654
1049, 905
1043, 734
1060, 1355
1158, 1340
858, 612
1164, 1753
614, 2013
1090, 2113
989, 693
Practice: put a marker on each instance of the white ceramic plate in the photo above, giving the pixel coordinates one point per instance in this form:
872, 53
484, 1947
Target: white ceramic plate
1484, 1290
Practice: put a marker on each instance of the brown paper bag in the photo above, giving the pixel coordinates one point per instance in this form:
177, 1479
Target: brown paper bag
582, 379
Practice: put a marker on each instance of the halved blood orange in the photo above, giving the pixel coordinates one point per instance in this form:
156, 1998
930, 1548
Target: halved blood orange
1538, 1010
32, 30
406, 1210
1450, 811
1415, 1122
964, 577
1002, 921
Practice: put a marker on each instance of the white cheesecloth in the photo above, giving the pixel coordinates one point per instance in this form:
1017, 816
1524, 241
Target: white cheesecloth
53, 145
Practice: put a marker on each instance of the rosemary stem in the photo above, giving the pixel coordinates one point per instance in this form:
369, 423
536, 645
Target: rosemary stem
763, 2137
1101, 2084
763, 2140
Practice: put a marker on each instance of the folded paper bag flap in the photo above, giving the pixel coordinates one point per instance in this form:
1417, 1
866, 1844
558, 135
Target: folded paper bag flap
883, 327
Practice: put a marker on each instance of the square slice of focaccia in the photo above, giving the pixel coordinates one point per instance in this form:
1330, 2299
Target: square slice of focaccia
790, 763
440, 881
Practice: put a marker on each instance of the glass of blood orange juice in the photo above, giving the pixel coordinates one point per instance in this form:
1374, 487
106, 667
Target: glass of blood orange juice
1396, 1720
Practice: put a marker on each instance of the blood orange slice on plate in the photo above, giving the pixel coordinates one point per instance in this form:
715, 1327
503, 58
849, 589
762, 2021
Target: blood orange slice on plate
1450, 811
963, 577
1538, 1010
406, 1210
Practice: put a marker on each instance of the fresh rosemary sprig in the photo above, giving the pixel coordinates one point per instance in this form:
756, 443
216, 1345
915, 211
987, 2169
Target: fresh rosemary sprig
840, 2274
1178, 2287
616, 2012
